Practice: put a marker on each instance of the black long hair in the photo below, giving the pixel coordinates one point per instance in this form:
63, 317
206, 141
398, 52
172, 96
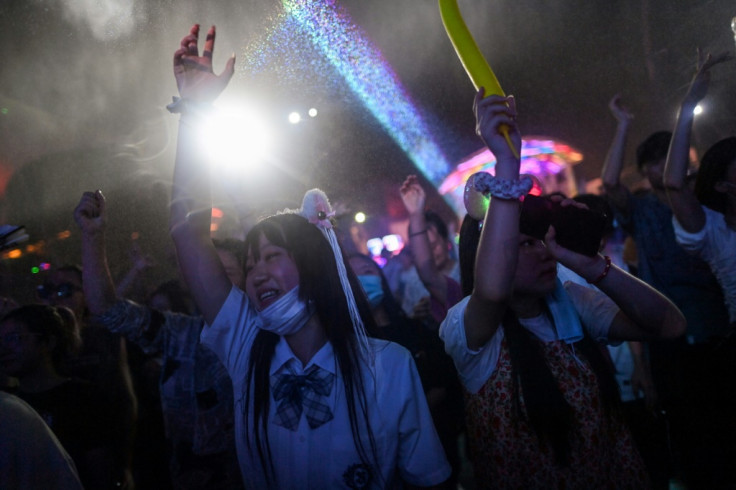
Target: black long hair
548, 413
319, 283
713, 168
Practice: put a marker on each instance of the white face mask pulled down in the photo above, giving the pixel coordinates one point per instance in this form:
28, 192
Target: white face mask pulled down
287, 315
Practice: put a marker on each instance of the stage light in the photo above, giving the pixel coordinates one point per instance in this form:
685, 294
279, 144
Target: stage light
235, 139
698, 110
393, 243
295, 118
312, 112
360, 217
375, 245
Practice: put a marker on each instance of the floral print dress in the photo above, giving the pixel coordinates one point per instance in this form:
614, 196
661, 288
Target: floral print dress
506, 452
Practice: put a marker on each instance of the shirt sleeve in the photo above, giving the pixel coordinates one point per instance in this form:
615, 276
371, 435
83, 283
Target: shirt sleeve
144, 326
692, 242
232, 332
421, 459
473, 367
596, 310
139, 324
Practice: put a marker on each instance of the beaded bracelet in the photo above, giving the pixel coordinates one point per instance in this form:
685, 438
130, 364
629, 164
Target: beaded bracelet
605, 271
502, 188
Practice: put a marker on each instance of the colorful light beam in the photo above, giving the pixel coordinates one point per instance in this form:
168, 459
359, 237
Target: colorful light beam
371, 78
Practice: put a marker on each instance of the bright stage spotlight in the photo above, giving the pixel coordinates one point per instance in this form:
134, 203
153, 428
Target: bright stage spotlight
312, 112
235, 139
360, 217
295, 118
698, 110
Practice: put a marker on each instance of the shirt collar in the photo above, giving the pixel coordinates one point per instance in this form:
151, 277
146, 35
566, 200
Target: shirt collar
283, 356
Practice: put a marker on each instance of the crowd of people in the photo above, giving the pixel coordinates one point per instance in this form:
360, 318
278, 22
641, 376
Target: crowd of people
287, 360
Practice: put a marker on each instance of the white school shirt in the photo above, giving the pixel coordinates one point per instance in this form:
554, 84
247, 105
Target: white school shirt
407, 444
716, 244
474, 367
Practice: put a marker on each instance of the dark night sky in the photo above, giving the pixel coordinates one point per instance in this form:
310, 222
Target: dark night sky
82, 96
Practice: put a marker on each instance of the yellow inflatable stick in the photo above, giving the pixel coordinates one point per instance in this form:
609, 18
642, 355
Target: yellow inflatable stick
470, 56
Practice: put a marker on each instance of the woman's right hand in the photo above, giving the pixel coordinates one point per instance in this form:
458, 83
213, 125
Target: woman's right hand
413, 195
194, 76
622, 115
90, 212
699, 84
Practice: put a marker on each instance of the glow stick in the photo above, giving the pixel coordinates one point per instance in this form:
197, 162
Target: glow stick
475, 64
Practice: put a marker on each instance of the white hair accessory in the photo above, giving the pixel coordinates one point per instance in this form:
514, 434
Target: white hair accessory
317, 210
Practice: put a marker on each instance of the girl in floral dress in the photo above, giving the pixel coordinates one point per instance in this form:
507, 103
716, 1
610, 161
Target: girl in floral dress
540, 398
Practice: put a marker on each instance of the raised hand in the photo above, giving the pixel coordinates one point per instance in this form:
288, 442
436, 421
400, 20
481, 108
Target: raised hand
140, 260
585, 266
413, 195
620, 112
194, 76
490, 113
700, 82
90, 212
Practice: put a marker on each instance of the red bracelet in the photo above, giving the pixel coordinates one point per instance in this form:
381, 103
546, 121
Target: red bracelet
604, 273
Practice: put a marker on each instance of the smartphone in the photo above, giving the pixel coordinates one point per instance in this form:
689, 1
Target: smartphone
577, 229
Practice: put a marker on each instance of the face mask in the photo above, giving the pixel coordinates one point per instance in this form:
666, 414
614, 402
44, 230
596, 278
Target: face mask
287, 315
373, 289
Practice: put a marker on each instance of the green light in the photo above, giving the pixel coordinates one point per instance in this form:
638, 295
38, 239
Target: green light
35, 270
4, 110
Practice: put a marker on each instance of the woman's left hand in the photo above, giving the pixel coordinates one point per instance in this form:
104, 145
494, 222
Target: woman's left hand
585, 266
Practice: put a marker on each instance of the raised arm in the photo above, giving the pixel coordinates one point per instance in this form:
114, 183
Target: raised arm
645, 314
140, 262
498, 248
191, 201
685, 205
414, 199
99, 292
614, 163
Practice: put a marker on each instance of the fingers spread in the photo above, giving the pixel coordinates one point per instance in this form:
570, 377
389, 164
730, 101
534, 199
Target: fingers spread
229, 68
179, 55
209, 44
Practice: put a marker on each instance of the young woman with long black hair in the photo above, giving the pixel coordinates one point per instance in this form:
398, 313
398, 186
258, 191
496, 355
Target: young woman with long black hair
317, 403
540, 399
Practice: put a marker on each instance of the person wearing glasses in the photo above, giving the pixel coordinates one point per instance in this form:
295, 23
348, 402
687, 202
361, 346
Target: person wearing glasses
64, 288
102, 358
194, 390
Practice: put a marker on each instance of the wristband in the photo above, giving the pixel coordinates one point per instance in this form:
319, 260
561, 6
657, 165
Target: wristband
499, 188
604, 273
